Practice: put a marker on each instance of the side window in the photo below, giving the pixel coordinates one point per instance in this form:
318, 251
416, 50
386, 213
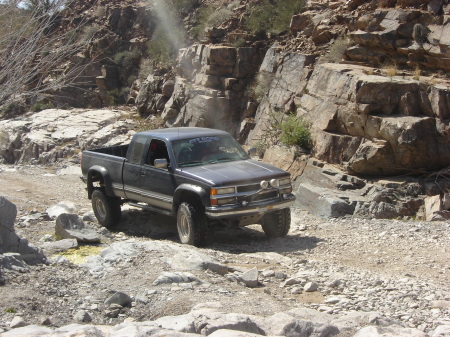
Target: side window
138, 149
156, 150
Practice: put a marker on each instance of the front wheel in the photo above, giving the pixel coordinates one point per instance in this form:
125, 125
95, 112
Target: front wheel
192, 225
106, 209
277, 224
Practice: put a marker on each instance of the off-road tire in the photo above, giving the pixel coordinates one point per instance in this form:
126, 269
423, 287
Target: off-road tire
192, 225
277, 224
106, 209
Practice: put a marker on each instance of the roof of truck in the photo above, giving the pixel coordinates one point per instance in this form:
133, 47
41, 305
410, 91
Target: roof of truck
171, 134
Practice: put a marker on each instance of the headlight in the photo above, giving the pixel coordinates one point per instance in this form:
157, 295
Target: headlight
284, 181
274, 183
226, 201
264, 184
221, 191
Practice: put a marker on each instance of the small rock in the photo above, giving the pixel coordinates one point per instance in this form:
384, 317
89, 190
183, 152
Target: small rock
46, 321
17, 322
268, 273
59, 246
291, 281
113, 310
176, 277
250, 278
332, 300
119, 298
89, 217
46, 238
296, 290
310, 287
83, 316
280, 275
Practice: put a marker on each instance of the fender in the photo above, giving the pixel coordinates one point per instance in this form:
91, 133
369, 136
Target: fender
202, 194
106, 180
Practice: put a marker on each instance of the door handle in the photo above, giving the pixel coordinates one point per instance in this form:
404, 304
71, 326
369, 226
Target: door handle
143, 173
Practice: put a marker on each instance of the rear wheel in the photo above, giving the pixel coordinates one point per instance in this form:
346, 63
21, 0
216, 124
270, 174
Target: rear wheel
106, 209
192, 225
277, 224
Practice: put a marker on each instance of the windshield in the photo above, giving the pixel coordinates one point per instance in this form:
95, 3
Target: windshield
207, 150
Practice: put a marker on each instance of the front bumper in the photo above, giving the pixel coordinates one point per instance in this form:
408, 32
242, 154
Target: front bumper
237, 211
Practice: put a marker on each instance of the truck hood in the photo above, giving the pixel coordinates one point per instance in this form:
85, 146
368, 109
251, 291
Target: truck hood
236, 172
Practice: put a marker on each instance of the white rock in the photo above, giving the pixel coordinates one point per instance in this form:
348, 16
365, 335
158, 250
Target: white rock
310, 287
17, 322
60, 208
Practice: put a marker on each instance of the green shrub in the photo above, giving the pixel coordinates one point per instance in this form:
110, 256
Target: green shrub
209, 16
145, 68
289, 130
89, 31
261, 85
117, 96
296, 131
11, 310
127, 58
260, 18
218, 17
273, 16
39, 106
183, 7
239, 42
149, 123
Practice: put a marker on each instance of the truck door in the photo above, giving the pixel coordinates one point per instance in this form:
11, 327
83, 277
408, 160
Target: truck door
132, 168
157, 184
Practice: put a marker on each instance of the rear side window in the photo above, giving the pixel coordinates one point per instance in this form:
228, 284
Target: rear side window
156, 150
138, 149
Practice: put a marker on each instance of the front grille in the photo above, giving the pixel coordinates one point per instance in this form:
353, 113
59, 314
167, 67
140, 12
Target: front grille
266, 195
248, 188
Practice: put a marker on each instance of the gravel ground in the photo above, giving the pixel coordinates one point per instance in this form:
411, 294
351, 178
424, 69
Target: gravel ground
400, 269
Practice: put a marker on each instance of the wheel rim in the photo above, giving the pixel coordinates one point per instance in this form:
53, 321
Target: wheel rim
183, 225
101, 209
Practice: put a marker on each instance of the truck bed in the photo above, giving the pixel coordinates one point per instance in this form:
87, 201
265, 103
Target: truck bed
117, 151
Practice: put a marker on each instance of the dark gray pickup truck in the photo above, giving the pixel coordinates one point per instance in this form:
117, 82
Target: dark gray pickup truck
201, 176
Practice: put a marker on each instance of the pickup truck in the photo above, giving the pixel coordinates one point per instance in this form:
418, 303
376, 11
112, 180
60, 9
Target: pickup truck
202, 176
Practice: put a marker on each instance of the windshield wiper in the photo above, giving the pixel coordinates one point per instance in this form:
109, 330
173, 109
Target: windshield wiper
225, 159
220, 160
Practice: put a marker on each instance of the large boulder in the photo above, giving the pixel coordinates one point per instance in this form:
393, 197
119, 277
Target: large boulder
71, 226
9, 241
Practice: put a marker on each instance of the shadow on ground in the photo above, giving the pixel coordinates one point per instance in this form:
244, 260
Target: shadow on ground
251, 239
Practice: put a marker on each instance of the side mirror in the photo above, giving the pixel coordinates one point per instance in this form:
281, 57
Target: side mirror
161, 163
251, 152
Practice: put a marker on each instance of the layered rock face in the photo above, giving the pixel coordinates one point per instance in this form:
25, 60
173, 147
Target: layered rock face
412, 37
371, 124
210, 88
377, 125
